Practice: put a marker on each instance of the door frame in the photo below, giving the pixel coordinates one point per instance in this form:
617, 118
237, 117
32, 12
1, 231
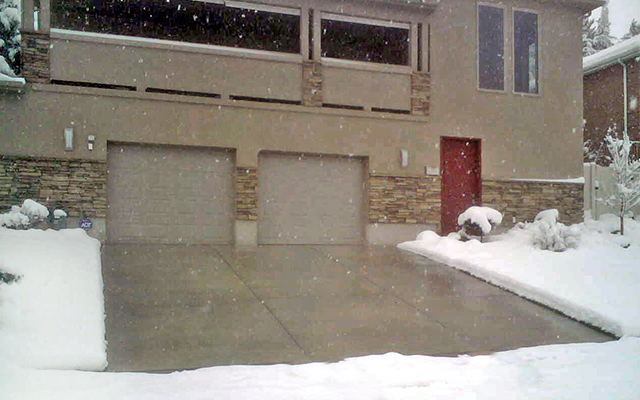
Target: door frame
444, 139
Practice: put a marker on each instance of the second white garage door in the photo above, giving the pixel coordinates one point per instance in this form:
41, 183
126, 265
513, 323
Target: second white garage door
310, 199
170, 194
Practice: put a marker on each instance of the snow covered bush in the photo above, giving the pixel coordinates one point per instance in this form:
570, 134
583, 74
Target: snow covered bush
554, 236
549, 234
550, 215
9, 38
626, 173
479, 221
25, 216
6, 277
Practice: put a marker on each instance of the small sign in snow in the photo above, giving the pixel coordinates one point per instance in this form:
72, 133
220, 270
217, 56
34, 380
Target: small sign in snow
86, 224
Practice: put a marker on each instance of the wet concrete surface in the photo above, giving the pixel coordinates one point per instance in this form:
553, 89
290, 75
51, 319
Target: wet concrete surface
182, 307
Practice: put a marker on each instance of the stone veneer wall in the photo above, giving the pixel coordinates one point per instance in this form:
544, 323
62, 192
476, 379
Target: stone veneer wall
420, 93
312, 83
416, 200
36, 67
524, 199
404, 200
246, 194
77, 186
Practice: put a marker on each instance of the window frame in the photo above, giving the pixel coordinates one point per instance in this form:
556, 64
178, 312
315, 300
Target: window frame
368, 65
513, 51
505, 37
258, 7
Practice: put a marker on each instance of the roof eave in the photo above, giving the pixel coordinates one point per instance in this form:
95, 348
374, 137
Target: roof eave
584, 6
630, 48
421, 4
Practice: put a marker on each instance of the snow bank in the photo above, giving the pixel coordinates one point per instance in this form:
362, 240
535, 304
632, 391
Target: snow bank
599, 282
53, 317
574, 371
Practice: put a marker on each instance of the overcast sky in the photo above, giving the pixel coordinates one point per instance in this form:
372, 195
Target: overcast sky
621, 12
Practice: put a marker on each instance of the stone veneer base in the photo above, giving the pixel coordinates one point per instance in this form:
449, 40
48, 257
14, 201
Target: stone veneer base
75, 186
522, 200
411, 203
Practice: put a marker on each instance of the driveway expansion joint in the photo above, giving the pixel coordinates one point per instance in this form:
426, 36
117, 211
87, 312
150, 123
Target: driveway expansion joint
264, 303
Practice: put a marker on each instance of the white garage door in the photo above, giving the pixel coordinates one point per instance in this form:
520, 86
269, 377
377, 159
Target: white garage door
310, 199
170, 194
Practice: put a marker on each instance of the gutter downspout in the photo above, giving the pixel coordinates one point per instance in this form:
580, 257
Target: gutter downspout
625, 89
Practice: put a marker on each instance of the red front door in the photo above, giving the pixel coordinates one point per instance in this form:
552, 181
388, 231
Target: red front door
461, 179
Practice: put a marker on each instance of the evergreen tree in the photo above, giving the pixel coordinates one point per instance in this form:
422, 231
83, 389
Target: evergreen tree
603, 38
9, 37
634, 30
588, 35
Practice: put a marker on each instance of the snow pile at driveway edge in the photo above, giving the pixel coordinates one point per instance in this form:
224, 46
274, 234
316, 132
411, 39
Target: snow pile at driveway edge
53, 316
570, 371
486, 261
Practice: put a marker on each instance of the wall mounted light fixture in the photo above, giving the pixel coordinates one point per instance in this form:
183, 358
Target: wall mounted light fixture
404, 158
68, 139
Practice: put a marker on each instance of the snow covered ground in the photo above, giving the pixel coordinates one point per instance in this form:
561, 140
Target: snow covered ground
575, 371
53, 316
598, 282
52, 320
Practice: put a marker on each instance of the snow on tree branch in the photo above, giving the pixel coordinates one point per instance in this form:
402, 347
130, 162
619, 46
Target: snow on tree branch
9, 38
626, 173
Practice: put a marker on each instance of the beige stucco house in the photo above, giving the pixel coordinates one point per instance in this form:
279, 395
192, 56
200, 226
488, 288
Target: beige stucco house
295, 121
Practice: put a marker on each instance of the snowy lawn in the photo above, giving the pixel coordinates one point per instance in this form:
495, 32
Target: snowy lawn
597, 282
53, 316
52, 320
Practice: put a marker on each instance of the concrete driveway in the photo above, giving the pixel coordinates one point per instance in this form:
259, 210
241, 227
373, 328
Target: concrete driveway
180, 307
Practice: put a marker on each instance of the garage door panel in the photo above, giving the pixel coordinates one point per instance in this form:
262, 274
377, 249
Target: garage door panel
310, 199
170, 194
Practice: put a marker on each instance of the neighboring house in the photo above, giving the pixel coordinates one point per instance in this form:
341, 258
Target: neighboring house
608, 100
295, 121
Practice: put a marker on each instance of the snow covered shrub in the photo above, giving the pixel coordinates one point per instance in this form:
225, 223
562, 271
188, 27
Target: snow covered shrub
554, 236
6, 277
25, 216
550, 215
9, 38
479, 221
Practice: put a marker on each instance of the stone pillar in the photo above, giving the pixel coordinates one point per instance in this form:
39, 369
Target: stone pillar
312, 83
246, 194
420, 93
36, 66
404, 200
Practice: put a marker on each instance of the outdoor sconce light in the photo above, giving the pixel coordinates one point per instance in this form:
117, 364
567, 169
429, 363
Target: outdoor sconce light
404, 158
91, 139
68, 139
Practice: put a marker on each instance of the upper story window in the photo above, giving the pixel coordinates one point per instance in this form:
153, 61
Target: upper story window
525, 46
360, 39
235, 24
490, 47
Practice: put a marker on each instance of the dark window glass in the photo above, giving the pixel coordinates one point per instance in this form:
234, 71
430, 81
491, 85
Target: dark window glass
182, 20
525, 29
490, 48
362, 42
